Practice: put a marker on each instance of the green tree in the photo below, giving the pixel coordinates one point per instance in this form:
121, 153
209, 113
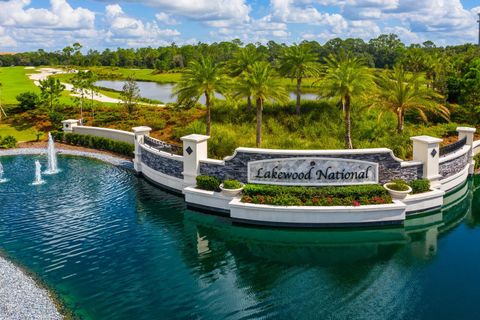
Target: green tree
345, 78
241, 62
202, 77
298, 62
262, 83
51, 89
81, 85
401, 92
27, 100
130, 94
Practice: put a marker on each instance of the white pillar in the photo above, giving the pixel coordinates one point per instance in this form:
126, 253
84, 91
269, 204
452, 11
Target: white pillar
194, 150
469, 133
139, 132
68, 125
426, 149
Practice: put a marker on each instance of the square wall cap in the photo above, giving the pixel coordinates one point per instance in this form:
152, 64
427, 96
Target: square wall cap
195, 138
70, 121
466, 129
426, 139
141, 129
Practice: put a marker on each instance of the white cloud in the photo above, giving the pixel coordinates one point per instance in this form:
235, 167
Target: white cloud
6, 41
205, 10
165, 18
123, 29
60, 15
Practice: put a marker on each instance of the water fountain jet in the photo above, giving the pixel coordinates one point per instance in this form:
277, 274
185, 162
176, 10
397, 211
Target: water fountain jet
2, 179
38, 174
52, 167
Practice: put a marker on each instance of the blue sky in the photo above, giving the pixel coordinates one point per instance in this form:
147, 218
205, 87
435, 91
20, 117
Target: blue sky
98, 24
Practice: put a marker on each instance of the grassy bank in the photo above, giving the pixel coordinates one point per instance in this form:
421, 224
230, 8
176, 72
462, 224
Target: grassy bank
14, 81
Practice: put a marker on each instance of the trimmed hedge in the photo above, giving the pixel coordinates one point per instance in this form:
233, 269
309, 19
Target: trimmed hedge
208, 183
315, 196
232, 184
420, 186
94, 142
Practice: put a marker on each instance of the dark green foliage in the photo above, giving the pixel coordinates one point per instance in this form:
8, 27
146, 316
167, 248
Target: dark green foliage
28, 101
232, 184
398, 185
8, 142
315, 196
420, 186
95, 143
208, 183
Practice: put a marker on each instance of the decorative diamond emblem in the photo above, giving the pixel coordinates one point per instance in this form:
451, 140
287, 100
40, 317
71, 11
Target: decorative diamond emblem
189, 150
434, 153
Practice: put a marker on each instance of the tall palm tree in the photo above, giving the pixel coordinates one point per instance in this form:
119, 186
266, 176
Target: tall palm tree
298, 62
262, 83
242, 60
345, 78
202, 77
401, 91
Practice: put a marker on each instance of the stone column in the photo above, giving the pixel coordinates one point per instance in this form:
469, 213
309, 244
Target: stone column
194, 150
469, 133
426, 149
68, 125
139, 132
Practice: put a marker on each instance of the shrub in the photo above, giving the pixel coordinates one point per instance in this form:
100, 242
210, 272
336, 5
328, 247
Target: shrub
208, 183
420, 186
28, 101
477, 161
398, 185
58, 136
232, 184
315, 196
8, 142
98, 143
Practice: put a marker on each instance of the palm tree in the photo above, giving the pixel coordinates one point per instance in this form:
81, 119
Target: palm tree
202, 77
298, 62
401, 91
262, 83
242, 60
344, 78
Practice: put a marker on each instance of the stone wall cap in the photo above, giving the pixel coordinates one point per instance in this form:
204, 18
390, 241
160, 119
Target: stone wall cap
70, 121
466, 129
426, 139
141, 129
195, 138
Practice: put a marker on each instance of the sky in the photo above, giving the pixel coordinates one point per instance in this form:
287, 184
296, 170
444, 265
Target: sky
27, 25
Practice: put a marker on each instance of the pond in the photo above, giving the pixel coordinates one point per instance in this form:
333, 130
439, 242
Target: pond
112, 246
163, 91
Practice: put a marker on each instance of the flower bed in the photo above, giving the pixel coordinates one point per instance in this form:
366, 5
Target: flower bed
315, 196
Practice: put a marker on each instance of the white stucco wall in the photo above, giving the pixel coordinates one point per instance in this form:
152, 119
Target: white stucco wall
118, 135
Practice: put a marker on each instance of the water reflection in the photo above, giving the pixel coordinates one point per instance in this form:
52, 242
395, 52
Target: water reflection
163, 91
328, 247
115, 247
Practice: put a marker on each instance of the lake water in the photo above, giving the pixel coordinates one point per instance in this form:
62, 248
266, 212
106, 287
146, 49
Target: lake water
112, 246
163, 91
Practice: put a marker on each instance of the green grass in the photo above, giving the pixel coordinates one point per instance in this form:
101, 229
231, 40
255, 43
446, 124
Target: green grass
14, 81
22, 134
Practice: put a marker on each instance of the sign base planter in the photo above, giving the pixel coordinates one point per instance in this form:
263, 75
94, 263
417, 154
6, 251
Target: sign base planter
231, 192
396, 194
303, 216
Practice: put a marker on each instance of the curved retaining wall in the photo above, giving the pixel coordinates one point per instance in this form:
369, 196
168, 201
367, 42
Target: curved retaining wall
118, 135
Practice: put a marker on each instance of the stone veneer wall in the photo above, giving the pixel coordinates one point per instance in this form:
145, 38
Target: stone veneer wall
236, 168
161, 164
454, 166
